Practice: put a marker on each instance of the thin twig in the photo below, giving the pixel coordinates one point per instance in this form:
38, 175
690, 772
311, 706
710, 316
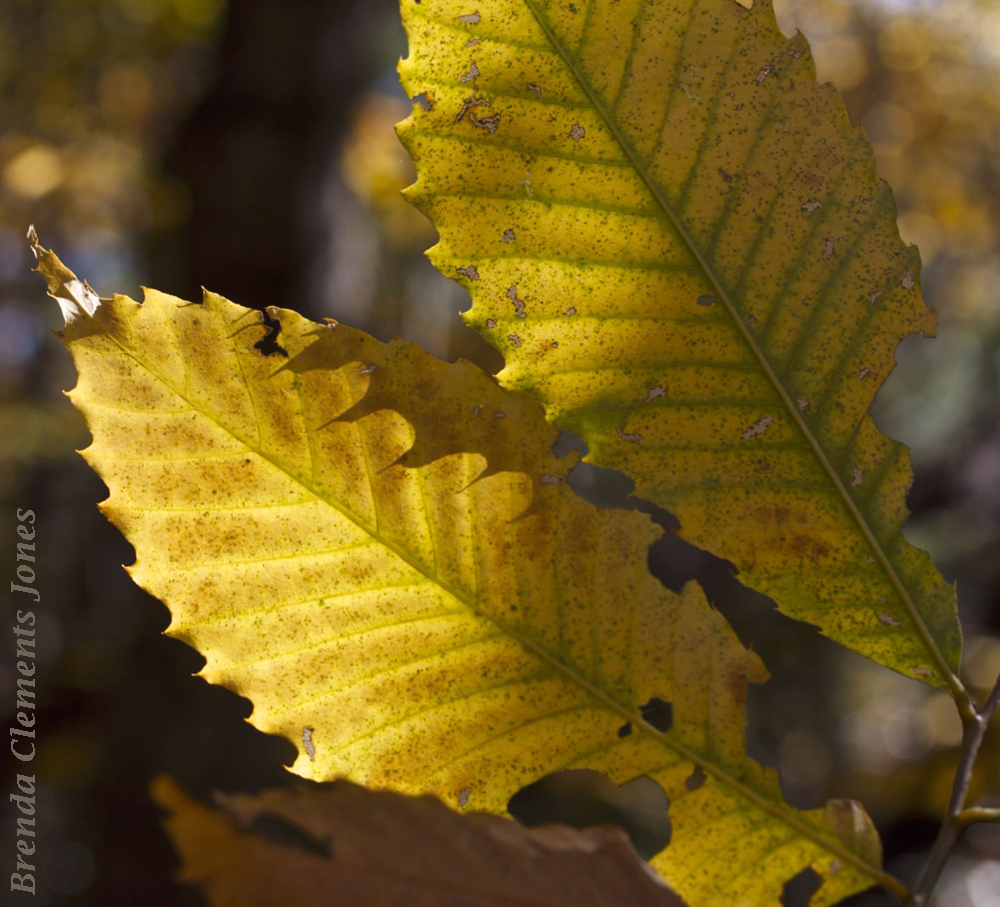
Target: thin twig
958, 817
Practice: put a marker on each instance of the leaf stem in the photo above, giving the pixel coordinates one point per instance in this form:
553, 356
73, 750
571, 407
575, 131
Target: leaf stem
973, 814
959, 817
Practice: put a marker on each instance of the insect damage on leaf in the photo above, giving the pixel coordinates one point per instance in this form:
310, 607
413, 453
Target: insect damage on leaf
412, 594
684, 153
307, 743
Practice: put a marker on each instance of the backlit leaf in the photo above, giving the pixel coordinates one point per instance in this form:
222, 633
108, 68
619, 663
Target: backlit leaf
679, 243
380, 551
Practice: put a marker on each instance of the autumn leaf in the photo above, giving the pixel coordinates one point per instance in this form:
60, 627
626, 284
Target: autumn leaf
377, 848
680, 245
380, 551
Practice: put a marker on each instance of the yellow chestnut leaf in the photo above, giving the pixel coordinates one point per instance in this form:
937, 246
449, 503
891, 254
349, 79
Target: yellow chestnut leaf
679, 243
379, 550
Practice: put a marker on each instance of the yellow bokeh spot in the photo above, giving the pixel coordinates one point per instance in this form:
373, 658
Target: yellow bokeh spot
34, 172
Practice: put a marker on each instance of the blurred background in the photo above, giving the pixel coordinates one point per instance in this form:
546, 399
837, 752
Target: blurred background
249, 148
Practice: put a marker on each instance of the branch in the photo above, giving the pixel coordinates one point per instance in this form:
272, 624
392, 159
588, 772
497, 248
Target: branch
958, 818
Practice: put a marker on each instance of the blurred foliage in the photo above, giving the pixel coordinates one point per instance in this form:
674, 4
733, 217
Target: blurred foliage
93, 95
92, 89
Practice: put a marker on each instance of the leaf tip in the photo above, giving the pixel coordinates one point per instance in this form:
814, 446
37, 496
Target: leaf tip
74, 296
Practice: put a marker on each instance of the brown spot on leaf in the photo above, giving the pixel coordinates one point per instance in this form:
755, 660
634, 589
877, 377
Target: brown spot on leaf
471, 75
491, 323
489, 123
518, 303
628, 436
570, 311
857, 476
654, 392
470, 18
508, 235
469, 271
706, 300
463, 794
804, 546
907, 282
513, 338
551, 480
577, 132
864, 373
802, 404
763, 74
537, 89
921, 671
367, 370
758, 428
499, 414
828, 249
472, 101
811, 206
887, 618
873, 295
307, 742
472, 42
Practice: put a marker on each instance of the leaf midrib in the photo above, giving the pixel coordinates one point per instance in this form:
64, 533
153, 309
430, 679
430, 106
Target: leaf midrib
779, 812
949, 677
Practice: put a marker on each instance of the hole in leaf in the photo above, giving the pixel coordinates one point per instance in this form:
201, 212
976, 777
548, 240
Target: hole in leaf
268, 344
566, 442
600, 486
800, 888
696, 779
625, 729
659, 713
583, 798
